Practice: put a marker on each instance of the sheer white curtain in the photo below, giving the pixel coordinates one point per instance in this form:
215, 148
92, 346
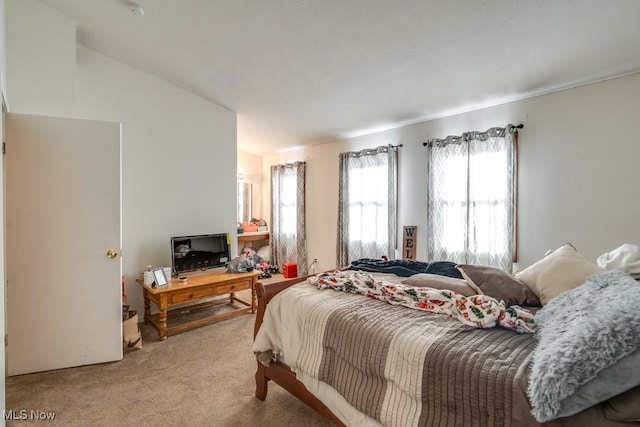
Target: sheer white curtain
471, 198
288, 231
367, 204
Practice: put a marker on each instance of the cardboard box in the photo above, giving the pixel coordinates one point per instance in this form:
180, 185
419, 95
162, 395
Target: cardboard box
289, 270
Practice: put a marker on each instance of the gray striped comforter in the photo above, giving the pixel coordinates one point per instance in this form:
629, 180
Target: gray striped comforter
399, 366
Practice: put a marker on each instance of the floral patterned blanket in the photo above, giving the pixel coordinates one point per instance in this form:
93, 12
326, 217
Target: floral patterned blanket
480, 311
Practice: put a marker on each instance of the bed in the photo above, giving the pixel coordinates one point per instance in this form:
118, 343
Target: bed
367, 361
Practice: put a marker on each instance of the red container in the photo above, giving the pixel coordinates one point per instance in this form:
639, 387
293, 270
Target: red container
289, 270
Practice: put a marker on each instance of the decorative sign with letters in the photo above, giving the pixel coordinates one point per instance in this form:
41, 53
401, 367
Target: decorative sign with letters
409, 238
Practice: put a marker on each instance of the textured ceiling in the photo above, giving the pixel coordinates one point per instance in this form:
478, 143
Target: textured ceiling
306, 71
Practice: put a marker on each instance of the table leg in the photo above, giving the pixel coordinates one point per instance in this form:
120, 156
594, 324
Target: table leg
253, 296
162, 318
147, 307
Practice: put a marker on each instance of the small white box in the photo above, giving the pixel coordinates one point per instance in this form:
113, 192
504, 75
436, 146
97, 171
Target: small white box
262, 228
148, 278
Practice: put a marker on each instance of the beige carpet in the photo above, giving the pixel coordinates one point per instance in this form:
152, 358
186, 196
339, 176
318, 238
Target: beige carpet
202, 377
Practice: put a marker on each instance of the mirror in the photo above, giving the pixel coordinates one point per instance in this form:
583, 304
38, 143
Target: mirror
244, 201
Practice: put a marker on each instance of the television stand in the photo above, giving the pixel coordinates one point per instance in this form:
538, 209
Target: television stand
201, 286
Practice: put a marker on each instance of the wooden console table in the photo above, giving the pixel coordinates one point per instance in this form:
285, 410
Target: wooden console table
199, 286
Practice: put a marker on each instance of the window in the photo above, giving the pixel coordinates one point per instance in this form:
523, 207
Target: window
367, 204
288, 233
287, 203
471, 198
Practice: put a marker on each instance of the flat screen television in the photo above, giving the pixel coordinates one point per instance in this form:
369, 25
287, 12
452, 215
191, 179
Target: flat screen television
199, 252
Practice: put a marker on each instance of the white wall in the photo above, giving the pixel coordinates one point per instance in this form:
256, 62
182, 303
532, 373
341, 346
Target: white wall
179, 160
578, 174
3, 52
179, 151
41, 56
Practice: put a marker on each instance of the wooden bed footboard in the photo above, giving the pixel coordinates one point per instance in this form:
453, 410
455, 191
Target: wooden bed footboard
276, 372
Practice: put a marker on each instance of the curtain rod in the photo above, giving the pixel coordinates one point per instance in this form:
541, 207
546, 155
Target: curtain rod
288, 165
369, 151
519, 126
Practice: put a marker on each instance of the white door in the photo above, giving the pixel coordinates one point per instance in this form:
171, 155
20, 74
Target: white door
62, 202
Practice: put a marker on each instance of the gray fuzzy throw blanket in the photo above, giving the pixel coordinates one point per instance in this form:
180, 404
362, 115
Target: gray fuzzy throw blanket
581, 332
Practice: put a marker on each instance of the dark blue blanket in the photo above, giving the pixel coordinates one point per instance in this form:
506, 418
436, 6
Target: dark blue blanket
405, 267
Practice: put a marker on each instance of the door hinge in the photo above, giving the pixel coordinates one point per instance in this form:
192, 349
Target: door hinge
6, 340
4, 148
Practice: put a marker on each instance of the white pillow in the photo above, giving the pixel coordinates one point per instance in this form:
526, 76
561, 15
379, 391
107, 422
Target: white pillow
625, 258
560, 271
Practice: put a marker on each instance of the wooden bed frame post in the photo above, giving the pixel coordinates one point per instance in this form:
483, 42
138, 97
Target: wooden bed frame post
261, 377
261, 382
